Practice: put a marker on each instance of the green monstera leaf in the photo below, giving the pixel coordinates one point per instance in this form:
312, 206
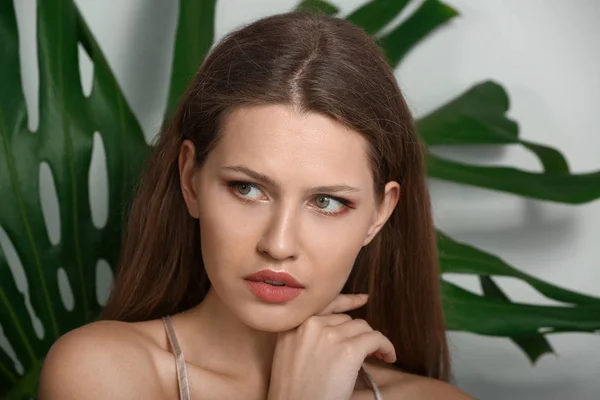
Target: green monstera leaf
71, 124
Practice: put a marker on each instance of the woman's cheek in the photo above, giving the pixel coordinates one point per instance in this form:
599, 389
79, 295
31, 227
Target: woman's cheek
331, 281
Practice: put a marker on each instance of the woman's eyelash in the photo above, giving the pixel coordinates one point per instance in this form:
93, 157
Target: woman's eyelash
237, 183
234, 185
345, 202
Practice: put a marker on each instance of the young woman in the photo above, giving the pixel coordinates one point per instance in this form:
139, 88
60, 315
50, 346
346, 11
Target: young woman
281, 243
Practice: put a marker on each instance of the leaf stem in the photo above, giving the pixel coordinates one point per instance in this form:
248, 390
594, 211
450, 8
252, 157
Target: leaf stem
20, 330
4, 369
124, 177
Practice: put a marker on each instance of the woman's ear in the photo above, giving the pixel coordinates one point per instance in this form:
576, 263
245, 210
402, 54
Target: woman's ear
391, 195
187, 176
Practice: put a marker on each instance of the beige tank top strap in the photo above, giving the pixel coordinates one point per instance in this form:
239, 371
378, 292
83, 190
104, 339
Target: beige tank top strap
180, 367
182, 378
372, 384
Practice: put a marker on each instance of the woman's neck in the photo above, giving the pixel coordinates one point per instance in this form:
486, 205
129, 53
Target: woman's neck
224, 344
214, 339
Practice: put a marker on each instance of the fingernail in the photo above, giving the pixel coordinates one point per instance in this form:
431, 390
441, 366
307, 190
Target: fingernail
364, 296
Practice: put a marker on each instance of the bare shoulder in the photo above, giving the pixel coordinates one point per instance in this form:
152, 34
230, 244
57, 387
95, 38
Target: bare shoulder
398, 385
105, 359
422, 388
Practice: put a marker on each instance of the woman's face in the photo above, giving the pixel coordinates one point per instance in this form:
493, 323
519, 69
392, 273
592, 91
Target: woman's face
284, 193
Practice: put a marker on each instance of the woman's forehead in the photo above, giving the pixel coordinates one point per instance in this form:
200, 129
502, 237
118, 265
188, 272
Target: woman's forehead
276, 138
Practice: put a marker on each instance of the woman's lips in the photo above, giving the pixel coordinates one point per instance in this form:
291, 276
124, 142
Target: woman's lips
274, 276
273, 294
282, 287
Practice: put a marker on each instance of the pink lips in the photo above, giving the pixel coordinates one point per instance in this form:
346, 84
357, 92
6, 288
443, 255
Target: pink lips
274, 292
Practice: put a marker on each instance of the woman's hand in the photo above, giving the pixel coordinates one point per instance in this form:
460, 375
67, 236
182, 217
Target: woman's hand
321, 358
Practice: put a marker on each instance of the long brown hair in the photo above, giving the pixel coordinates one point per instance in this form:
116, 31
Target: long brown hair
314, 63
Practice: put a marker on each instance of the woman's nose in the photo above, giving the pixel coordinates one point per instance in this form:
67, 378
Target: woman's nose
280, 237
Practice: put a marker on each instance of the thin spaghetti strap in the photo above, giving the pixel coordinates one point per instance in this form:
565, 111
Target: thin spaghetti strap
182, 378
181, 369
372, 384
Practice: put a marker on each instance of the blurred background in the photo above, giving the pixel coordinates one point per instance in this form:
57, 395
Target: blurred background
546, 56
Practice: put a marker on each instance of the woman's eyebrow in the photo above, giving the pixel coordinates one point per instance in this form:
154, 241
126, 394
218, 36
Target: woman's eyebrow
265, 179
333, 189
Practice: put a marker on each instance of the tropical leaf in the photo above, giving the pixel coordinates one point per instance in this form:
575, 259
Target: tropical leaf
534, 346
467, 311
475, 117
317, 6
64, 142
431, 15
562, 188
375, 15
460, 258
25, 387
195, 35
478, 117
15, 327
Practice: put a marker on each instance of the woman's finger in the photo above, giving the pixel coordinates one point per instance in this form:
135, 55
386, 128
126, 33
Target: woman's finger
353, 327
375, 342
344, 303
333, 319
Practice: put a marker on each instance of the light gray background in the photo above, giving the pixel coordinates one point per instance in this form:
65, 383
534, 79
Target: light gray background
545, 53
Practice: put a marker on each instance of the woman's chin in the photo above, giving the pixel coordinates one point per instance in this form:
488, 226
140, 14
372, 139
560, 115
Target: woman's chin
266, 319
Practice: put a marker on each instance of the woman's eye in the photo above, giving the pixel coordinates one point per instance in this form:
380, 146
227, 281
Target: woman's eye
246, 190
329, 205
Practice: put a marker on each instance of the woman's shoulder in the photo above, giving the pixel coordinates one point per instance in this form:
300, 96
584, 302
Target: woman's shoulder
396, 384
104, 359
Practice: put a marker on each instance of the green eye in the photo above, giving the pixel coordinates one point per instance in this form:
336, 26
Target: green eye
323, 202
243, 188
330, 205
